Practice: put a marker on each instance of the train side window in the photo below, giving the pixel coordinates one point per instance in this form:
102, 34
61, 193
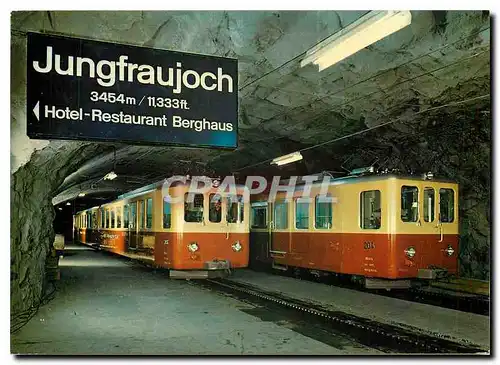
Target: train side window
215, 208
94, 219
429, 197
167, 214
88, 221
409, 203
149, 213
118, 217
235, 209
125, 216
113, 220
323, 212
446, 205
280, 215
301, 214
106, 218
193, 207
370, 209
102, 217
141, 214
259, 215
133, 215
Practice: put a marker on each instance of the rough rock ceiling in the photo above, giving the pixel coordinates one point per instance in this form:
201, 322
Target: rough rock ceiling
442, 57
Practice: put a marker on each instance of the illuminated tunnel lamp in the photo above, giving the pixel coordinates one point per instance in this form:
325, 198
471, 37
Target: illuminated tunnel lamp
68, 203
283, 160
110, 176
81, 195
368, 29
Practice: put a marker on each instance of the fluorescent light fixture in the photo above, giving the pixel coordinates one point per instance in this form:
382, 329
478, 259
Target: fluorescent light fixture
110, 176
81, 195
68, 203
59, 208
283, 160
368, 29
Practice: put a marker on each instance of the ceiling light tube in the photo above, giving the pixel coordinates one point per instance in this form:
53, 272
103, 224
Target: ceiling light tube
81, 195
365, 31
283, 160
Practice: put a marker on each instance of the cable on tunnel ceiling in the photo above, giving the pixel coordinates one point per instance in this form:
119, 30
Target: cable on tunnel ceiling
363, 96
371, 128
375, 76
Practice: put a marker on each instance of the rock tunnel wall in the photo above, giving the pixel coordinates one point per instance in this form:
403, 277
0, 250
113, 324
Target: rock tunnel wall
32, 214
37, 169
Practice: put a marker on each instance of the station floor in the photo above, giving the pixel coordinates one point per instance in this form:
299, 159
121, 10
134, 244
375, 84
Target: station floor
108, 305
458, 326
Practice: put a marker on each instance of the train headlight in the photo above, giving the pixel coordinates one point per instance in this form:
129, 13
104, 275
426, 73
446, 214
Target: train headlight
410, 252
193, 247
237, 246
449, 250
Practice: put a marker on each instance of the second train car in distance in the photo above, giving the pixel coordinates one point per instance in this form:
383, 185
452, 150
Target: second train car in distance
205, 235
386, 231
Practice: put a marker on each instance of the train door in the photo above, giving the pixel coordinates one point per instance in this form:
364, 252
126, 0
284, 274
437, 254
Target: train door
260, 233
446, 212
429, 220
280, 231
132, 232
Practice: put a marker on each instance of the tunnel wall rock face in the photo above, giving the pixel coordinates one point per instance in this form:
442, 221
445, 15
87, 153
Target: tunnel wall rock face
32, 213
37, 170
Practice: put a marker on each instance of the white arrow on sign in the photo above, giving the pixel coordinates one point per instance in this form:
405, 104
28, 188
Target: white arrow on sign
36, 110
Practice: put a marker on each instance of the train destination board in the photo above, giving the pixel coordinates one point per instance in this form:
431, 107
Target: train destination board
89, 90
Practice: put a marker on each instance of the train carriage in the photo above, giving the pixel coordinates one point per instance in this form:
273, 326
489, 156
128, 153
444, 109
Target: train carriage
194, 235
382, 229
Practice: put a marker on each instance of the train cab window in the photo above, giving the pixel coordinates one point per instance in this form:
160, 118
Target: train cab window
323, 212
167, 214
113, 221
133, 215
235, 209
370, 209
141, 214
446, 205
149, 213
259, 215
125, 216
215, 208
281, 215
409, 203
193, 207
301, 214
118, 217
429, 204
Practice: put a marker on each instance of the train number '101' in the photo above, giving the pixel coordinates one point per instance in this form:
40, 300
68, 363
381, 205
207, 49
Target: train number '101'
369, 245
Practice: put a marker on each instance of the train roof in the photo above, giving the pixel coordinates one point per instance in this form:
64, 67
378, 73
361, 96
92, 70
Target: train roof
149, 188
355, 179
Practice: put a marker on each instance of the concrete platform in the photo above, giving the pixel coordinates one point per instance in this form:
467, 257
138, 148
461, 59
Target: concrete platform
109, 305
455, 325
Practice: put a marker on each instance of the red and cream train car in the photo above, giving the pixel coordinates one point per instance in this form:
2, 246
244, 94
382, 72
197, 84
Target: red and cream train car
382, 229
193, 235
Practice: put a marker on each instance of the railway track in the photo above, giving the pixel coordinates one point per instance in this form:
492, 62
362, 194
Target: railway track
464, 302
383, 337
